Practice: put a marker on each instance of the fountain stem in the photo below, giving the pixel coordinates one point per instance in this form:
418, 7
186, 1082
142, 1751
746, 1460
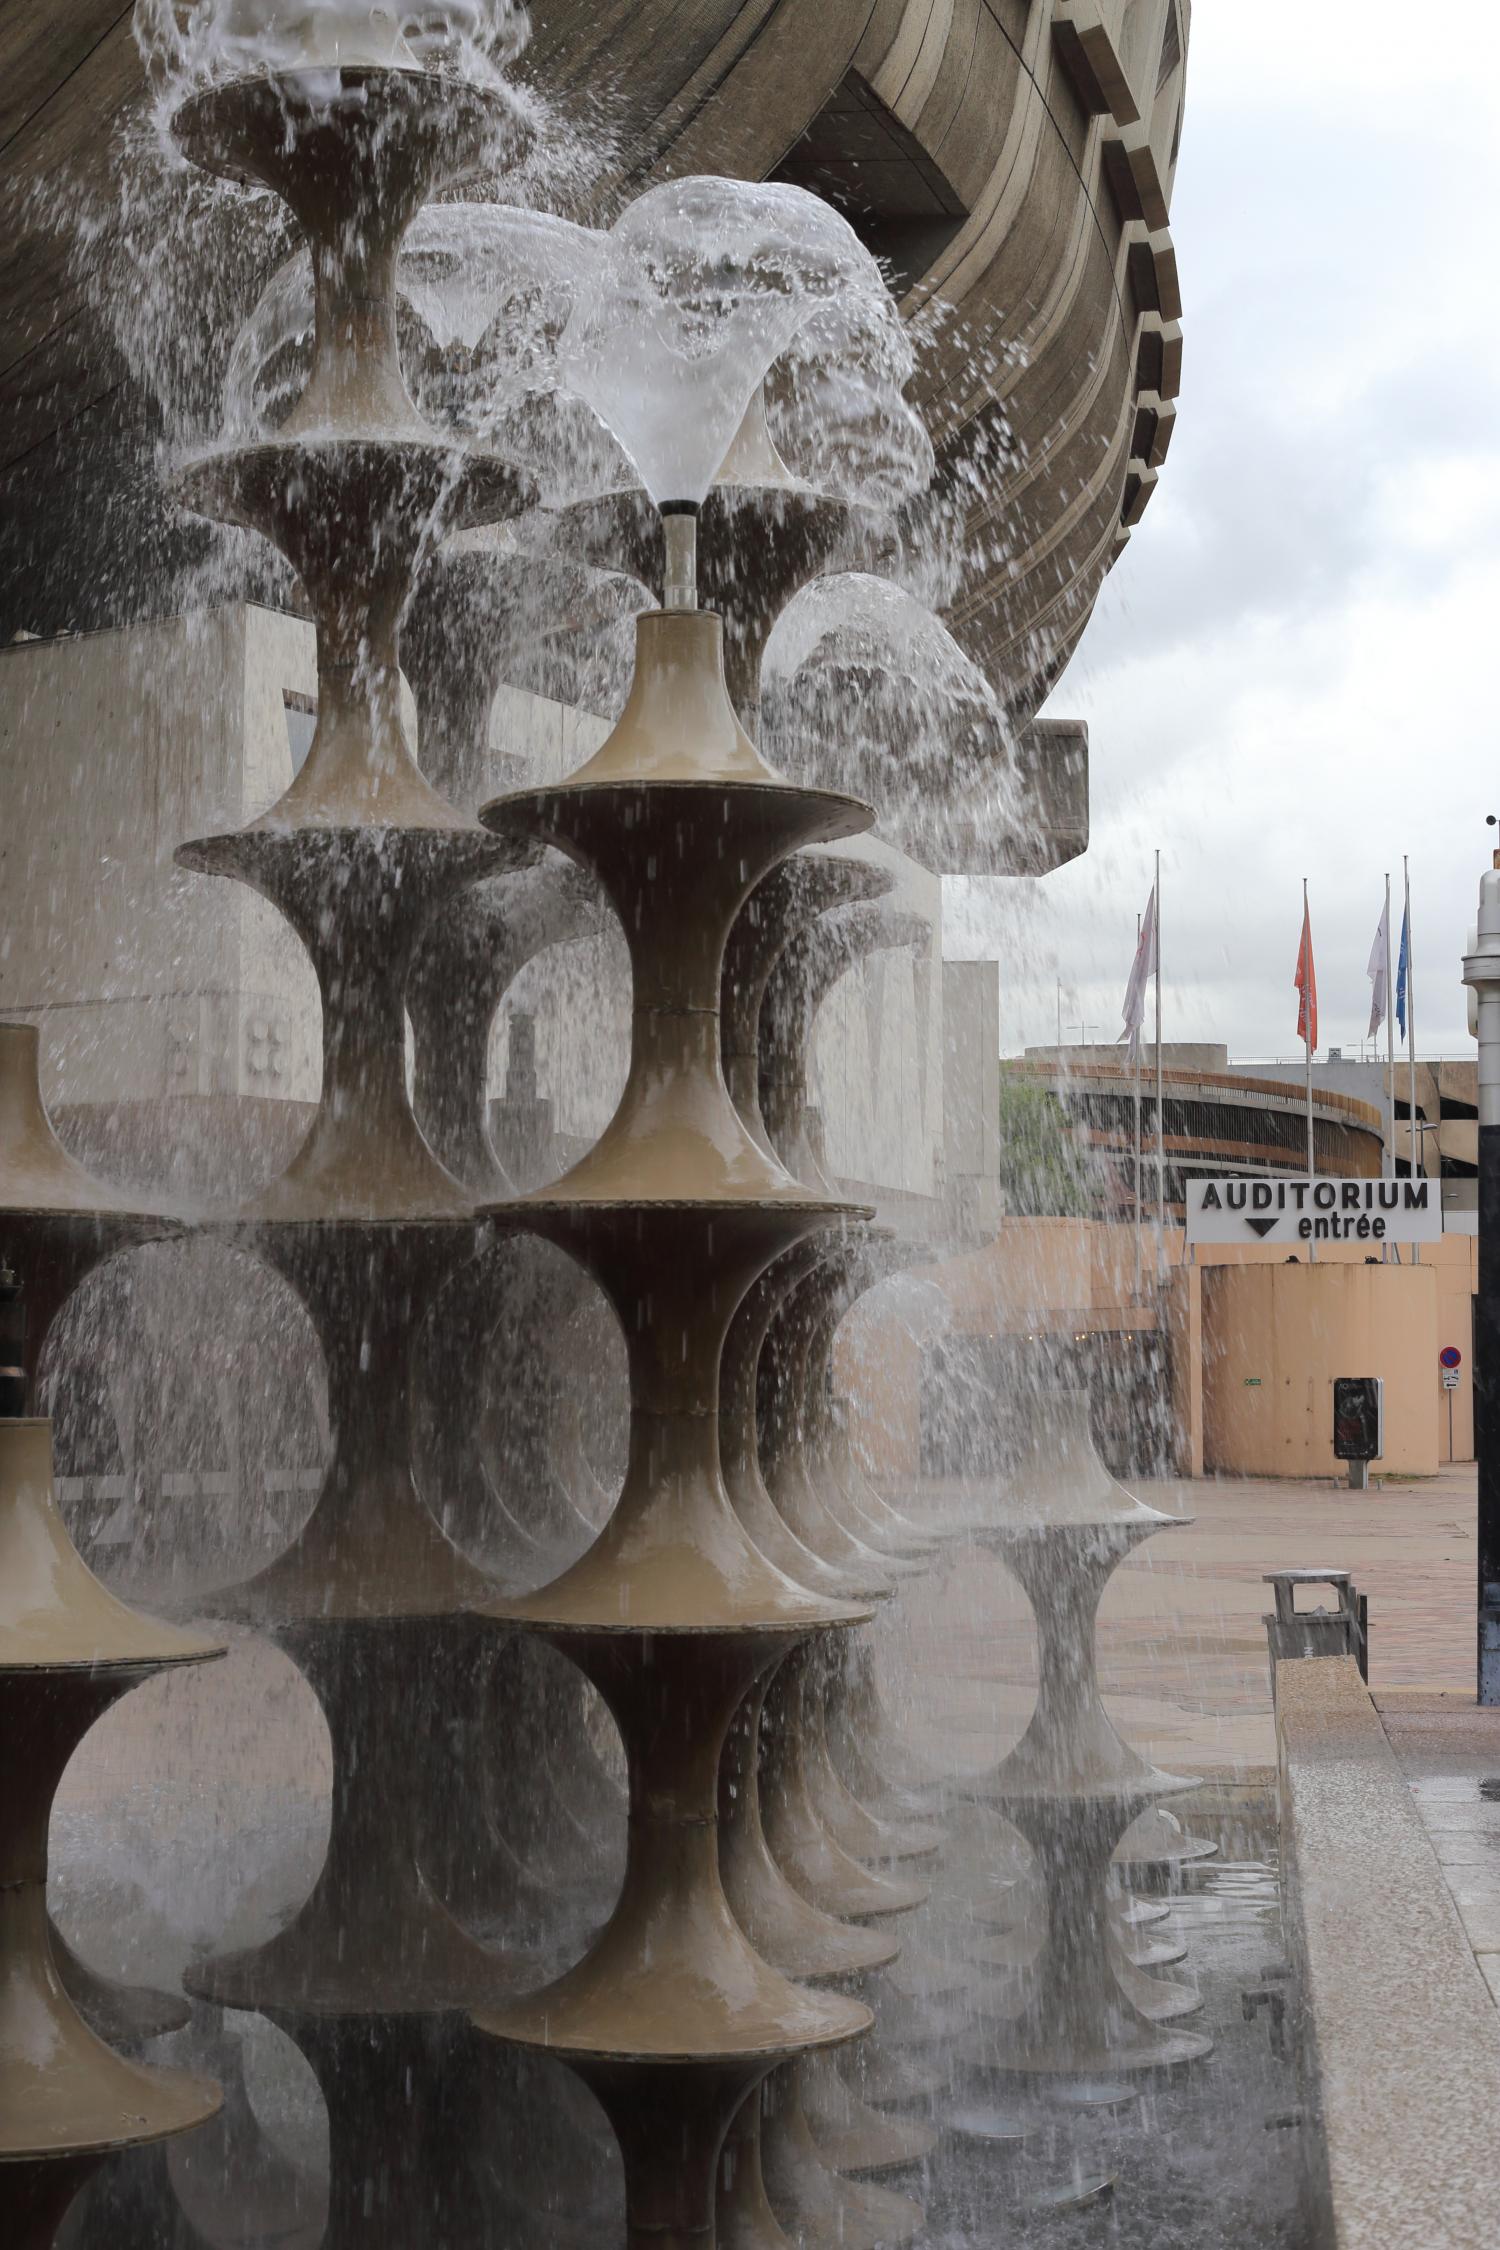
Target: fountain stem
680, 533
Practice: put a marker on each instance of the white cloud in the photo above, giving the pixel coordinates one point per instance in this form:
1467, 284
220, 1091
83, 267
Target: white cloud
1290, 672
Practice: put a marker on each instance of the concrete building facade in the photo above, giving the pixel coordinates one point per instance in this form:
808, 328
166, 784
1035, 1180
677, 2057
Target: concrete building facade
1446, 1104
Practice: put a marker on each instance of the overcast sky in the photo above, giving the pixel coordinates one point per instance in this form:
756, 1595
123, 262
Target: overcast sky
1292, 670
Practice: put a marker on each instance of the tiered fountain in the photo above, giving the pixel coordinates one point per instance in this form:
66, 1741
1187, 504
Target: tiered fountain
786, 1862
68, 1650
685, 1212
354, 487
673, 2017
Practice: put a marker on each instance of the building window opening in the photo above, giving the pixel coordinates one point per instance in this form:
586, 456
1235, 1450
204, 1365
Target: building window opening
301, 713
857, 155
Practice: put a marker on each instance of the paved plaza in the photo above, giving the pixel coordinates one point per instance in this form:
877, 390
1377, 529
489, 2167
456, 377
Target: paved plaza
1181, 1645
1183, 1652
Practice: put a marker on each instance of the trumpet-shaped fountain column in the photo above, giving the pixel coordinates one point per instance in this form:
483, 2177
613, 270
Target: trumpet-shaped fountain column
56, 1224
353, 488
469, 955
56, 1220
805, 974
68, 1650
358, 854
673, 2017
477, 607
786, 1376
1071, 1786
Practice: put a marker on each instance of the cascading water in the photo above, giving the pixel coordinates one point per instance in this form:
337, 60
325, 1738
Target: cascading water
604, 1622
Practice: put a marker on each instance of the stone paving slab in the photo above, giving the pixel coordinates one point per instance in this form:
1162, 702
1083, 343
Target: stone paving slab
1403, 2045
1448, 1748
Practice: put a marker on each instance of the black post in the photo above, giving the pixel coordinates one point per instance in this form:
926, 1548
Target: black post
1482, 975
1487, 1412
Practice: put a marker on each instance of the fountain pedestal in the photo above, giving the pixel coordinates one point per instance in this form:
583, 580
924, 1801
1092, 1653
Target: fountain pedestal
786, 903
742, 1384
367, 1601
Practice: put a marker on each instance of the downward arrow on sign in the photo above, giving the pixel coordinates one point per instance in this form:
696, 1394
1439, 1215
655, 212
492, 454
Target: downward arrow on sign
1260, 1226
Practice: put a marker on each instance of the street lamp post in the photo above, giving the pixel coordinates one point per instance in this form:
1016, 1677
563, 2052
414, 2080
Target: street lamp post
1482, 973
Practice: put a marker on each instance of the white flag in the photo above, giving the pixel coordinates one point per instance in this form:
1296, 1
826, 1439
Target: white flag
1142, 970
1375, 971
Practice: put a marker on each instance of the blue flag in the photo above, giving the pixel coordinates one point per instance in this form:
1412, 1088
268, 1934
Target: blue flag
1402, 967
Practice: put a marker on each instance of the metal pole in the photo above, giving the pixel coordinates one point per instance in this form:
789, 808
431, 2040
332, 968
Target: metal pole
1307, 1053
1161, 1130
1390, 1046
1307, 1032
1388, 1166
1136, 1046
1418, 1163
1482, 971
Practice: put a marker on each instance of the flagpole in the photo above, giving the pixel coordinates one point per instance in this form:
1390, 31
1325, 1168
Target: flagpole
1136, 1046
1390, 1046
1307, 1026
1308, 982
1161, 1135
1389, 1167
1411, 1042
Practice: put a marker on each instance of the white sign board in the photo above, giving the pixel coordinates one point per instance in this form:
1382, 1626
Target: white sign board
1450, 1378
1303, 1211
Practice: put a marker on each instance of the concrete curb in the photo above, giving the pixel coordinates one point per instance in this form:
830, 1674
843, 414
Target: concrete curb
1400, 2038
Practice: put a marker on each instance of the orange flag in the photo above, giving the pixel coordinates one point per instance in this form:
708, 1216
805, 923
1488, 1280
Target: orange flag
1306, 981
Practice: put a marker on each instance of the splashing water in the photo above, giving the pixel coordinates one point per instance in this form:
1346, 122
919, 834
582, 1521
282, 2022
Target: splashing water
186, 49
836, 408
866, 690
495, 287
485, 293
704, 284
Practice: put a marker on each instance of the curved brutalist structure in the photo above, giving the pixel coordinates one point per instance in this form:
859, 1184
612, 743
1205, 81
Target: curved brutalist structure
68, 1650
673, 2018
